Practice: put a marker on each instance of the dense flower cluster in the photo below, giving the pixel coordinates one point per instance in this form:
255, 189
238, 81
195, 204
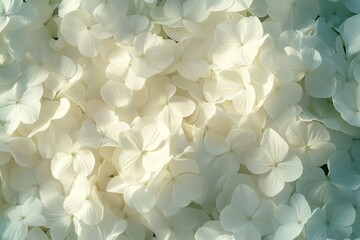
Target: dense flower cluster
180, 119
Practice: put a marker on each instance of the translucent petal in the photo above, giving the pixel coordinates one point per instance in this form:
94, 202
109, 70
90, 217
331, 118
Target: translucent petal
245, 200
22, 145
61, 164
286, 214
270, 183
263, 216
248, 231
22, 180
67, 6
142, 200
244, 100
288, 231
115, 94
187, 187
249, 28
89, 44
290, 169
301, 206
227, 32
259, 161
83, 162
173, 8
231, 219
15, 231
341, 214
321, 82
351, 37
182, 106
29, 113
194, 70
274, 145
32, 206
35, 220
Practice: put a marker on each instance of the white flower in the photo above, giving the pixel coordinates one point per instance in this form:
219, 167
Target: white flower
168, 107
181, 18
130, 26
71, 159
341, 173
293, 14
311, 143
61, 223
272, 161
238, 42
192, 64
33, 182
292, 217
152, 54
318, 188
247, 217
17, 11
332, 221
108, 229
79, 30
182, 184
142, 150
84, 202
237, 87
21, 149
19, 218
284, 94
20, 104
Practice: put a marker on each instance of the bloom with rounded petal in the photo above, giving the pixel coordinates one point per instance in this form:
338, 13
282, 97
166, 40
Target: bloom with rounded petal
311, 142
239, 42
273, 163
247, 217
333, 221
19, 218
20, 104
292, 217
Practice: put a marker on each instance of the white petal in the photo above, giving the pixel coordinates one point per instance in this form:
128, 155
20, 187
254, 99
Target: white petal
115, 94
301, 206
274, 145
341, 214
288, 231
244, 100
248, 231
83, 162
286, 214
182, 106
290, 169
187, 187
270, 183
67, 6
61, 164
231, 219
351, 36
259, 161
89, 45
245, 200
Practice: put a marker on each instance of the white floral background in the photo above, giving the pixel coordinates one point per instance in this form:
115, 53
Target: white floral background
179, 119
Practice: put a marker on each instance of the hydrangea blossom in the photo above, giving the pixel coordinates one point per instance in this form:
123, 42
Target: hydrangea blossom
179, 119
272, 162
247, 217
